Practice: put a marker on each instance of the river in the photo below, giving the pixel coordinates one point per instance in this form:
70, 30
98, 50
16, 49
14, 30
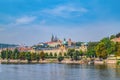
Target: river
58, 72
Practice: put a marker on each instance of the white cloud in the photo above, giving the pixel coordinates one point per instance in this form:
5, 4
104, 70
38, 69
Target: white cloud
65, 11
25, 20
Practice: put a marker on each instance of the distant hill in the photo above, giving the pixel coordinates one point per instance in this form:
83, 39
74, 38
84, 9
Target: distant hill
2, 45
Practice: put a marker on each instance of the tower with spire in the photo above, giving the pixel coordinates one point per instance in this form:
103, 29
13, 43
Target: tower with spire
54, 38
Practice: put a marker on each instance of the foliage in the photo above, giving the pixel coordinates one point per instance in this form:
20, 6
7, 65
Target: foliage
65, 54
78, 43
3, 54
112, 37
51, 55
118, 35
118, 62
70, 52
60, 58
104, 48
60, 54
46, 55
76, 55
117, 49
55, 54
16, 53
38, 57
28, 57
22, 56
42, 55
33, 56
91, 53
81, 53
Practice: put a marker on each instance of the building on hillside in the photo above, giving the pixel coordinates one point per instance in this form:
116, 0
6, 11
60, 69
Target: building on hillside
24, 49
83, 47
116, 39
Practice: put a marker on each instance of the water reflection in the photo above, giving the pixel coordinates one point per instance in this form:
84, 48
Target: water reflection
59, 72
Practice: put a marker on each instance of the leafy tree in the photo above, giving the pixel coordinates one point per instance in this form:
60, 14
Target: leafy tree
81, 53
76, 55
9, 52
16, 53
91, 49
42, 55
28, 57
38, 57
117, 49
112, 37
91, 53
60, 54
51, 55
70, 52
3, 54
101, 50
55, 55
22, 56
33, 56
60, 58
46, 55
65, 54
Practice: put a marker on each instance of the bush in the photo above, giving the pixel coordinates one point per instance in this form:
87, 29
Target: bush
118, 62
60, 58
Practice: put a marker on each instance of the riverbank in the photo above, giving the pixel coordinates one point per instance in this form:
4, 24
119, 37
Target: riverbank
65, 61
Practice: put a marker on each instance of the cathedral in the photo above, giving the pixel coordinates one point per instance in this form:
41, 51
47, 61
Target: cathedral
54, 38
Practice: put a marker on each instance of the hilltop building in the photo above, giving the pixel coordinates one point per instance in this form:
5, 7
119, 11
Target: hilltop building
116, 39
55, 45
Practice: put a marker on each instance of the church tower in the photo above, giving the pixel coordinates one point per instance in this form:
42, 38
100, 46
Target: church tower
52, 38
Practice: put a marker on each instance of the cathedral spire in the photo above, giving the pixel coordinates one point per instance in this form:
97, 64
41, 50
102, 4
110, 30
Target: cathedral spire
52, 38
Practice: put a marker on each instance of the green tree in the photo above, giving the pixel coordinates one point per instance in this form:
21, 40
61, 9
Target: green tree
42, 55
55, 55
33, 56
70, 52
22, 56
9, 52
117, 49
60, 58
112, 37
81, 53
3, 54
101, 50
91, 53
50, 55
28, 57
38, 57
46, 55
16, 53
65, 54
60, 54
76, 55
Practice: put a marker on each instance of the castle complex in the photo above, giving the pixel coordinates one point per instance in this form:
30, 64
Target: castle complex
55, 45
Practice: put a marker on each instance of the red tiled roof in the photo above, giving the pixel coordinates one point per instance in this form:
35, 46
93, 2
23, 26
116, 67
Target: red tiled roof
116, 39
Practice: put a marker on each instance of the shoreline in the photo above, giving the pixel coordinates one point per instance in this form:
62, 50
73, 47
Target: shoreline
56, 61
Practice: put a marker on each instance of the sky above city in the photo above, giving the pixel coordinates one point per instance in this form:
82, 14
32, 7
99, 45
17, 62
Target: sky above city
32, 21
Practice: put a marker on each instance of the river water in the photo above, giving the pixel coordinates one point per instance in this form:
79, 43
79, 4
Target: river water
58, 72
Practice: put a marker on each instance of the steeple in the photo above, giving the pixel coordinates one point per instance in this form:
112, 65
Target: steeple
55, 39
52, 38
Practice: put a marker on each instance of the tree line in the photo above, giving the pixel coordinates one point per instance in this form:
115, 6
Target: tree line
102, 49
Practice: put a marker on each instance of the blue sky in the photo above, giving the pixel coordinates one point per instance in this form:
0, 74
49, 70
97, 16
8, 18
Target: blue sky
32, 21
